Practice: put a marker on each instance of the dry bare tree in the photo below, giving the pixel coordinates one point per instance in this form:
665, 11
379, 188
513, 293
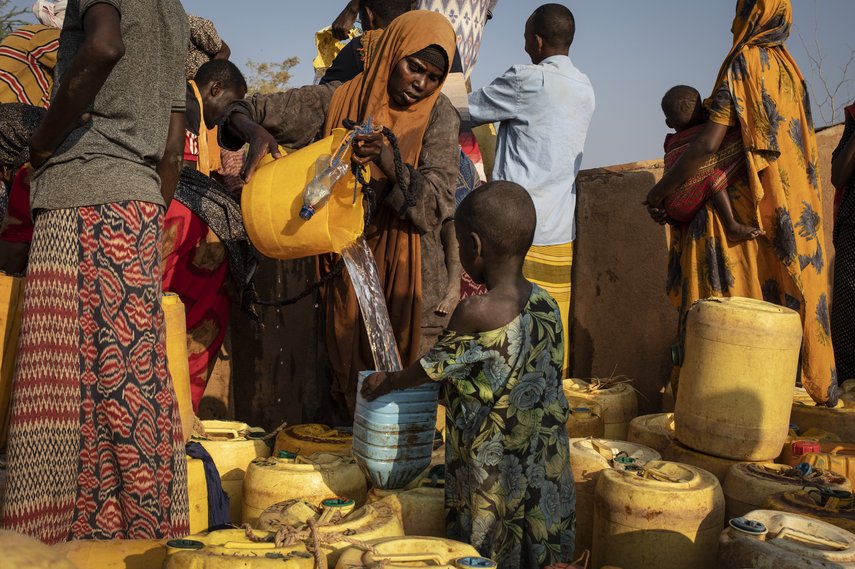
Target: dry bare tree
826, 89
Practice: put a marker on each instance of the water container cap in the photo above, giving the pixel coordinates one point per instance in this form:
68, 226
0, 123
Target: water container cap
337, 503
745, 525
804, 468
801, 447
306, 212
256, 435
794, 427
583, 411
625, 460
187, 544
475, 563
286, 454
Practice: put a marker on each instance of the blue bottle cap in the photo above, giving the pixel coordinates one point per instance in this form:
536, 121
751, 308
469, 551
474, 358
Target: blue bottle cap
187, 544
306, 212
286, 454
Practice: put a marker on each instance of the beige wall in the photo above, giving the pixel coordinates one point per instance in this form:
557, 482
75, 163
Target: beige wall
623, 323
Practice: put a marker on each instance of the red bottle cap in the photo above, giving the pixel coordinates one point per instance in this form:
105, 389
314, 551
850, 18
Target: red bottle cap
804, 447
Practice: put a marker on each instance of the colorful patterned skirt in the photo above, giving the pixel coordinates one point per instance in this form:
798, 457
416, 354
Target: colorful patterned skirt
196, 267
95, 445
550, 267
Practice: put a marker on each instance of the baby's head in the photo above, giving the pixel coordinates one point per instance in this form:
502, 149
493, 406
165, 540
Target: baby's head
495, 224
683, 107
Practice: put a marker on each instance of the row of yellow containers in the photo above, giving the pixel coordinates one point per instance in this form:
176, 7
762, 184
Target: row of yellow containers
671, 515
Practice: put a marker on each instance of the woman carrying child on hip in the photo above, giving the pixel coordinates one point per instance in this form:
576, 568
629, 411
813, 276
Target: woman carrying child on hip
509, 488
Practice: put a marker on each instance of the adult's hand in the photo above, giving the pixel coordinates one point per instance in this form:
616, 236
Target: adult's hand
261, 143
344, 22
372, 147
657, 213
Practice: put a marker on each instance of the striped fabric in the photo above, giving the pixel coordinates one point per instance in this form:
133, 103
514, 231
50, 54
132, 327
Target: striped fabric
549, 267
27, 60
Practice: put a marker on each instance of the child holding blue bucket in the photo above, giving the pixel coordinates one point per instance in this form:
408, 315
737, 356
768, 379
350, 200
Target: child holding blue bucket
509, 488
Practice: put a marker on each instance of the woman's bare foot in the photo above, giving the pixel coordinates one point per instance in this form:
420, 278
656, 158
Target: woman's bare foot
738, 232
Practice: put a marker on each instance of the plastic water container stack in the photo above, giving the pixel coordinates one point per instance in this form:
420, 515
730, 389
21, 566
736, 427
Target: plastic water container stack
393, 435
735, 389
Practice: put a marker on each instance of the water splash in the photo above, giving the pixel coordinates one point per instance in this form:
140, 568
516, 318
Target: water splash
366, 282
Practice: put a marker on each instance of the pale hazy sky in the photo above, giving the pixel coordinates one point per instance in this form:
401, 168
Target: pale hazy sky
633, 51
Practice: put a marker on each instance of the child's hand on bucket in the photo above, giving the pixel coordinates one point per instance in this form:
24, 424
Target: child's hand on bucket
376, 385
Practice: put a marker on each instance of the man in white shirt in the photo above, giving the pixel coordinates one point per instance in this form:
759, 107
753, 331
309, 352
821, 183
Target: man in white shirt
544, 110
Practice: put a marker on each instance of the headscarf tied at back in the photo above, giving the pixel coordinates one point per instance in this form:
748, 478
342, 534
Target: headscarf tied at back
50, 13
760, 29
393, 239
367, 94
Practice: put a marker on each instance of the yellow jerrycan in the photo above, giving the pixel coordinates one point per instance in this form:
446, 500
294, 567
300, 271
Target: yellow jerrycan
23, 552
286, 476
413, 552
617, 399
313, 438
233, 445
840, 459
668, 515
840, 420
197, 493
831, 506
747, 484
654, 431
236, 549
178, 359
765, 539
735, 390
717, 466
338, 524
114, 553
585, 420
422, 505
589, 458
272, 201
11, 308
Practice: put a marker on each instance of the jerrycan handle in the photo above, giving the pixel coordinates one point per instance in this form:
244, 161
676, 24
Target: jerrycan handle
842, 450
222, 431
605, 451
400, 559
244, 545
795, 535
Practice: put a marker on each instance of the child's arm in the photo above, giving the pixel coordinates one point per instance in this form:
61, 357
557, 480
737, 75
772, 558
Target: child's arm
383, 382
469, 317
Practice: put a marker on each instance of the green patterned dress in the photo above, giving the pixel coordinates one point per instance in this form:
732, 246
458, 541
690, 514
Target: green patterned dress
509, 489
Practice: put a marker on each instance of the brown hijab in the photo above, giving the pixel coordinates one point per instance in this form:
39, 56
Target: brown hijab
392, 238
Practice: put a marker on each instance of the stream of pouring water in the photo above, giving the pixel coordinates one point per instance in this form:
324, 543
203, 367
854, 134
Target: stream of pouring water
366, 282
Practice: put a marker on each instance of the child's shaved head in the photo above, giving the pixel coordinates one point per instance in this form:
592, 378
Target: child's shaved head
503, 216
681, 105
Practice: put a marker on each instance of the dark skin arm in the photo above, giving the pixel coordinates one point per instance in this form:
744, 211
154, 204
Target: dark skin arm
169, 167
470, 316
699, 151
344, 21
224, 53
261, 142
843, 166
102, 49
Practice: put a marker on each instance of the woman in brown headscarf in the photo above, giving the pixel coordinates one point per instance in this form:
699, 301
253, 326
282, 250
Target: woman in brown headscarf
405, 67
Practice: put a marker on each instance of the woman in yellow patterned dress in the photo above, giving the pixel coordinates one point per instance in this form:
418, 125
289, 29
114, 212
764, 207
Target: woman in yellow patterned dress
760, 89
